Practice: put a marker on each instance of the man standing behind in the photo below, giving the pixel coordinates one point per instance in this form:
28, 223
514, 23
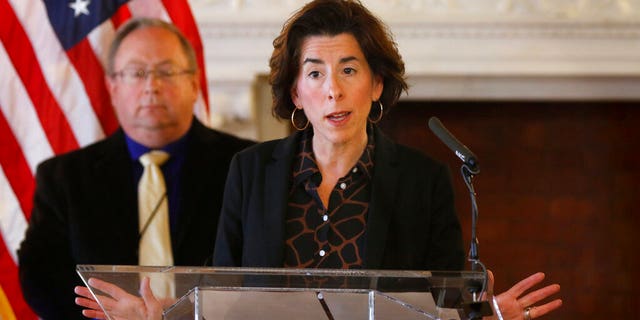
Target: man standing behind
86, 202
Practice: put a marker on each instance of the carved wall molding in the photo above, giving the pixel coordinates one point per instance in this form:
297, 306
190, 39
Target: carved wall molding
477, 45
403, 10
427, 30
529, 30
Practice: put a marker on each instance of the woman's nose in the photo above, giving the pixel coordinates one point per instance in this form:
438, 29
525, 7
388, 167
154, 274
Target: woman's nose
335, 89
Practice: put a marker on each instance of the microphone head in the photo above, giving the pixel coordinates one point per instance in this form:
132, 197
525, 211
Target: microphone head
459, 149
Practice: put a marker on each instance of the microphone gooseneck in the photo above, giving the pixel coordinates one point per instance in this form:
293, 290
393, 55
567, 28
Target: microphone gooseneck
470, 167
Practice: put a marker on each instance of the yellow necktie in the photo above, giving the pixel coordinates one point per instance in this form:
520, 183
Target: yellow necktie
153, 214
153, 208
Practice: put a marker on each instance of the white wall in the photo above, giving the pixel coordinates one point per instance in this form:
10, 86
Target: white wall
453, 49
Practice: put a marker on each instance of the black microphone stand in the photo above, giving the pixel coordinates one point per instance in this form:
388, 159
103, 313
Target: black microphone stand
477, 309
467, 176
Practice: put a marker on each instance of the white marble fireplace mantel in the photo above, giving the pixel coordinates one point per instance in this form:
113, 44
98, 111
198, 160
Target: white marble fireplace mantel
453, 49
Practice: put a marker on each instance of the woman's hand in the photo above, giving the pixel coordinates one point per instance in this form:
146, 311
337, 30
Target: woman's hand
514, 305
119, 304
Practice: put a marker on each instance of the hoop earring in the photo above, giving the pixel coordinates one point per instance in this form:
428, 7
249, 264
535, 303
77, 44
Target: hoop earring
293, 122
380, 115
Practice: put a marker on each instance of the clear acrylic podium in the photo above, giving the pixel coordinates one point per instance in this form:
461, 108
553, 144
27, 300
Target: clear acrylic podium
204, 293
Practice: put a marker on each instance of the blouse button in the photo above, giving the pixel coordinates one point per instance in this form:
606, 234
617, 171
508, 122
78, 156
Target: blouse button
325, 217
355, 169
322, 253
343, 186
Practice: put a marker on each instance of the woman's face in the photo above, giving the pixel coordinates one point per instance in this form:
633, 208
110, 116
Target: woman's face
335, 88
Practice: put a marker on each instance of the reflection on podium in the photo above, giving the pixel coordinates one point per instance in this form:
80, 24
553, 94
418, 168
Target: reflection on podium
251, 293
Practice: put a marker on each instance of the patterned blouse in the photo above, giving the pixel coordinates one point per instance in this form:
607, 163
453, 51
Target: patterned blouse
332, 237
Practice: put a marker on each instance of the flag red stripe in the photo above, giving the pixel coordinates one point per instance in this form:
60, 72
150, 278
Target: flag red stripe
16, 168
121, 16
90, 71
88, 75
20, 51
185, 22
11, 286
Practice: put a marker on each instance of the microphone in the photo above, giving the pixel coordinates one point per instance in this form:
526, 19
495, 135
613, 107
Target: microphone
469, 168
461, 151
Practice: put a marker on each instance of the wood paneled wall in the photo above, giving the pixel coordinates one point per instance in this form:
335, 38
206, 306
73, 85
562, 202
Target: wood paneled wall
559, 192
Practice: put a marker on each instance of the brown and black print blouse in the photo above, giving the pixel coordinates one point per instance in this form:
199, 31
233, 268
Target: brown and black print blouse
332, 237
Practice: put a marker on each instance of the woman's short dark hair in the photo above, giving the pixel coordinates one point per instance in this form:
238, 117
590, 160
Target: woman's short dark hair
331, 18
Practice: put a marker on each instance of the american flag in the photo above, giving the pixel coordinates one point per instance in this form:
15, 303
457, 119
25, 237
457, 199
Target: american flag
53, 99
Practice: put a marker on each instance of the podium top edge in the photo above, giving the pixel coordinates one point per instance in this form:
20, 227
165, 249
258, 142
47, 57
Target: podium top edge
81, 268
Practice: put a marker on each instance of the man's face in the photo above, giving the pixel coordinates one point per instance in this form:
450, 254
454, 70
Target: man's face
154, 89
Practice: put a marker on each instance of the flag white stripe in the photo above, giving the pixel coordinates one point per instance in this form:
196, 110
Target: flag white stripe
13, 223
100, 38
63, 80
20, 114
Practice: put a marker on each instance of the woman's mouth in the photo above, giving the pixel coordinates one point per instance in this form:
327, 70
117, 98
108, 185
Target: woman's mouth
338, 116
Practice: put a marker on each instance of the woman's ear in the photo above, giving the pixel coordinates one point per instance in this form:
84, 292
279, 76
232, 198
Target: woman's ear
378, 86
294, 95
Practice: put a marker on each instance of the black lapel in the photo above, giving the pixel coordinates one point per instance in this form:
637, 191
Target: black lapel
114, 183
276, 190
385, 186
199, 161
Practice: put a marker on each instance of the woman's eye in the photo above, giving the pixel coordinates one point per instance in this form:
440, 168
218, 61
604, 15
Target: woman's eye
314, 74
349, 70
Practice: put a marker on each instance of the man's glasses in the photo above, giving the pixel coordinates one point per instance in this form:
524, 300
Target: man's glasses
137, 76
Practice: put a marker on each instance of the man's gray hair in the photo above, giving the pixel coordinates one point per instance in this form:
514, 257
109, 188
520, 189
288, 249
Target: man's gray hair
141, 23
